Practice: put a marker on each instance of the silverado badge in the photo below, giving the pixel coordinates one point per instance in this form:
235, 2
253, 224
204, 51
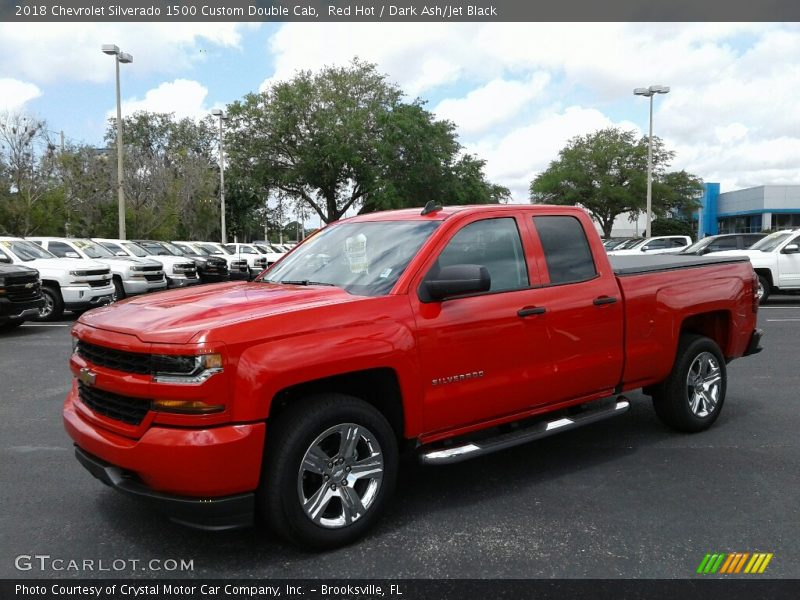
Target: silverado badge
86, 376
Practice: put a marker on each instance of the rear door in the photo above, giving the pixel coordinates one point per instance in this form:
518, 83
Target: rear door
585, 314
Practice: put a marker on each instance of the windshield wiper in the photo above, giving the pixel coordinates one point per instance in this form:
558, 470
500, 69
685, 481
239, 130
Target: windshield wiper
302, 282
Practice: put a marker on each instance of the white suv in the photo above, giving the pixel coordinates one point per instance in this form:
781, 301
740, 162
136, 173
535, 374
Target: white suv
73, 284
180, 271
130, 275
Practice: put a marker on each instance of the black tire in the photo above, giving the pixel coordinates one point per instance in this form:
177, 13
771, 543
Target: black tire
54, 304
293, 434
119, 290
685, 402
764, 288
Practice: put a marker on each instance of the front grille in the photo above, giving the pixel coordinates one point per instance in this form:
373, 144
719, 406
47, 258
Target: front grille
96, 272
151, 268
119, 360
99, 283
23, 288
121, 408
153, 277
136, 362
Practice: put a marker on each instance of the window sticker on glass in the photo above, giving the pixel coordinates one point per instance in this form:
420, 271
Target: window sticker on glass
385, 273
355, 248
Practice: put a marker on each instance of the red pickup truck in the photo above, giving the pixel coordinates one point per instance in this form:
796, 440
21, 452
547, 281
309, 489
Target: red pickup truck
447, 332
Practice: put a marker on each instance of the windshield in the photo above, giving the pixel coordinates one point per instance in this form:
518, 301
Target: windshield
159, 249
25, 250
365, 258
211, 249
92, 249
771, 242
698, 245
187, 249
135, 249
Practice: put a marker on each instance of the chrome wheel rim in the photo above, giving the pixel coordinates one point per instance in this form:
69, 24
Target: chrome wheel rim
340, 475
703, 384
49, 305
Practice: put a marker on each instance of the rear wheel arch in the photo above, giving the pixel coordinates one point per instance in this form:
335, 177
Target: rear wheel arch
714, 325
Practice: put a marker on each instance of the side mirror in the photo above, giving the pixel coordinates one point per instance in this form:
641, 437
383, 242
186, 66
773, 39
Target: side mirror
71, 254
5, 259
120, 253
645, 248
456, 280
791, 249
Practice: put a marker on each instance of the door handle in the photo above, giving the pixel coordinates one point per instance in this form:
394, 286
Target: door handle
531, 310
604, 300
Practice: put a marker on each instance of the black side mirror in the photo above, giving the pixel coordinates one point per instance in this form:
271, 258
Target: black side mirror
4, 259
456, 280
791, 249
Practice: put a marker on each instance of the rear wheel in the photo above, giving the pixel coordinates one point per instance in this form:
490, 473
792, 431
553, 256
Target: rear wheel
329, 470
763, 289
53, 304
692, 396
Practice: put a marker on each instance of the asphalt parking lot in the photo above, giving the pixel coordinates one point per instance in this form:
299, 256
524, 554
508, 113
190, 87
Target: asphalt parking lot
622, 498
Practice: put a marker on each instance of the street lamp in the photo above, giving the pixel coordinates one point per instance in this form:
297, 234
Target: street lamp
222, 117
125, 58
649, 92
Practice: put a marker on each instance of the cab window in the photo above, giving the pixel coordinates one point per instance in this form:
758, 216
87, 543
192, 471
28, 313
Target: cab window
566, 249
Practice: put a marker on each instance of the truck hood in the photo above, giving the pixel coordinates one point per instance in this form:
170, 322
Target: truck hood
63, 265
178, 316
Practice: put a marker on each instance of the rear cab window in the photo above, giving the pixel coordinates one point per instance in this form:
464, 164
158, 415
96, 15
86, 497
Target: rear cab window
566, 249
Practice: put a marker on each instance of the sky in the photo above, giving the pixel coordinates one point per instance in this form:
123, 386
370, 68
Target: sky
516, 91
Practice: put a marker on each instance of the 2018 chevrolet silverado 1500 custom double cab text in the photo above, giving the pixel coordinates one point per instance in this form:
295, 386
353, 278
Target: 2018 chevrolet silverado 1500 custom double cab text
449, 332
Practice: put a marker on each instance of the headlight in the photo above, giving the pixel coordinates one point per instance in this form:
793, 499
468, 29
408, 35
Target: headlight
185, 369
78, 273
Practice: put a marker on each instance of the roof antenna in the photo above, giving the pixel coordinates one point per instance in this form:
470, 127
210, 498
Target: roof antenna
430, 207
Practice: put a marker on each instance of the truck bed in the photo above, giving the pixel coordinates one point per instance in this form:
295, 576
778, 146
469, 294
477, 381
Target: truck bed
636, 265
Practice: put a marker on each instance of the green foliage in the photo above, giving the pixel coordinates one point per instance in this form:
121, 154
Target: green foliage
343, 137
667, 226
606, 173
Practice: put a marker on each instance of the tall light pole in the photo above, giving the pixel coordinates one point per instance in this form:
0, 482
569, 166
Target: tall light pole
222, 117
125, 58
650, 92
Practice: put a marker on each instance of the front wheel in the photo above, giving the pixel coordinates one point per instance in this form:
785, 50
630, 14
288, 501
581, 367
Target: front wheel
329, 470
764, 289
53, 307
692, 396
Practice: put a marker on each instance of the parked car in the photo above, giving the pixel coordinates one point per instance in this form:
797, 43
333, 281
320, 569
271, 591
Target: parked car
272, 253
292, 395
130, 275
237, 267
179, 271
776, 261
20, 293
211, 269
654, 245
256, 261
617, 243
71, 284
722, 242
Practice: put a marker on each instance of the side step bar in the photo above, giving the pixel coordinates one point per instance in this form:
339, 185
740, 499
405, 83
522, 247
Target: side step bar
445, 455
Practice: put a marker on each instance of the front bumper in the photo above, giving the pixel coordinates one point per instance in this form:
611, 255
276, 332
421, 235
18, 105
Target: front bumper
179, 281
85, 297
134, 287
13, 311
201, 477
230, 512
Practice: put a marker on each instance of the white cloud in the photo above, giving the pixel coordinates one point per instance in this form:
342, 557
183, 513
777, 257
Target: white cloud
14, 93
491, 104
184, 97
49, 52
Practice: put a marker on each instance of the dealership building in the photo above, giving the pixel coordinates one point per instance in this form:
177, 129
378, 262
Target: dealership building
765, 207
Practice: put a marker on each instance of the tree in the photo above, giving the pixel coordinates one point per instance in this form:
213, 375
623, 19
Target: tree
342, 138
606, 173
668, 226
28, 201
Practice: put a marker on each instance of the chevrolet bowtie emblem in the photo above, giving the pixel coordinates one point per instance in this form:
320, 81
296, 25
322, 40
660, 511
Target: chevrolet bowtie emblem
87, 376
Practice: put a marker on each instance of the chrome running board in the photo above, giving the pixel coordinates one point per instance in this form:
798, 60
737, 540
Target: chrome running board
438, 454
